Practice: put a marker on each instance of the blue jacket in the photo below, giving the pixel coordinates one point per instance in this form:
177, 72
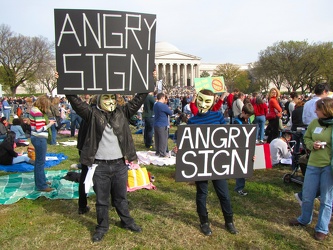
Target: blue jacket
161, 112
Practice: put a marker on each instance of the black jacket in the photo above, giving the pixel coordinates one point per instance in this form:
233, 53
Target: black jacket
7, 153
96, 120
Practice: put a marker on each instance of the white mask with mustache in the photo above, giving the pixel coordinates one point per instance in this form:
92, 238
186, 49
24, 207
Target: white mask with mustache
108, 102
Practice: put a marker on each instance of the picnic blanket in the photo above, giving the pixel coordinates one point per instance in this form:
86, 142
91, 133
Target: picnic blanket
149, 157
52, 159
14, 187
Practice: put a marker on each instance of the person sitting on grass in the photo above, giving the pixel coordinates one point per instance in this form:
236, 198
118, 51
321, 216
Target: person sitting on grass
7, 154
279, 148
17, 129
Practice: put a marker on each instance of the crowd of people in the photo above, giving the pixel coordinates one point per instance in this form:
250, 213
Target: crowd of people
106, 141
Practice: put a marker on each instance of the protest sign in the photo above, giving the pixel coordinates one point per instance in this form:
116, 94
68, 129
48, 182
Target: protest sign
100, 51
211, 152
215, 84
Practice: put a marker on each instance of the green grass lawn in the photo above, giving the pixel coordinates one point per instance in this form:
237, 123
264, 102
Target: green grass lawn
167, 215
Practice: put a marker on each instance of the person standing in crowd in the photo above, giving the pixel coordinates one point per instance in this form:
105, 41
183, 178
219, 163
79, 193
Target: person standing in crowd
318, 175
238, 104
321, 91
8, 156
297, 122
27, 107
230, 100
275, 111
205, 100
216, 107
161, 123
6, 108
82, 202
148, 117
243, 118
108, 126
184, 103
75, 120
309, 114
260, 112
53, 115
253, 99
39, 133
293, 100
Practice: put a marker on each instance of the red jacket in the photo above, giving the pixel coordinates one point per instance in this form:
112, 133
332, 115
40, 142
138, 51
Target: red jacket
230, 100
274, 107
260, 109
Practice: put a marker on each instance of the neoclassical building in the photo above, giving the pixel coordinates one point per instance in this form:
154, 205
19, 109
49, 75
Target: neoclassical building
178, 68
174, 66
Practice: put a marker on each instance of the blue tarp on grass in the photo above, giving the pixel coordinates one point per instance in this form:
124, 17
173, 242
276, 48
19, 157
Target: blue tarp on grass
25, 167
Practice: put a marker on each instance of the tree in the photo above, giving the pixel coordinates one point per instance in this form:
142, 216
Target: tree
21, 57
45, 76
229, 72
204, 74
295, 64
260, 78
242, 81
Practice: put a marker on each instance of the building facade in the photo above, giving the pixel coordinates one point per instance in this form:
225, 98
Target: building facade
179, 69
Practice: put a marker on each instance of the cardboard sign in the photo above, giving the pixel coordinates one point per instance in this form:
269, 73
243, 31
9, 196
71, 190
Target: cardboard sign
100, 51
212, 152
215, 84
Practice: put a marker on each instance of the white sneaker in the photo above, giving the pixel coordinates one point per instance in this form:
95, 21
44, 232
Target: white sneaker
298, 199
242, 193
74, 166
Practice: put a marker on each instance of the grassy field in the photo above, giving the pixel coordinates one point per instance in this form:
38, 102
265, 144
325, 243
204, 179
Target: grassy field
167, 215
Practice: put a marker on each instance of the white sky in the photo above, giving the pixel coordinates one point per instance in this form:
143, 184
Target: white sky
218, 31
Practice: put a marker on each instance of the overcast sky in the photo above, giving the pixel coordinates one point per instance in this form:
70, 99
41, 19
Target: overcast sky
218, 31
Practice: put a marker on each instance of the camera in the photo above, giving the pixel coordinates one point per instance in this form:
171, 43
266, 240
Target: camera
322, 144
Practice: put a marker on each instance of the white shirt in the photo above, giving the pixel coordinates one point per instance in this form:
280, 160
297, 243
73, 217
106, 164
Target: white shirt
309, 113
279, 150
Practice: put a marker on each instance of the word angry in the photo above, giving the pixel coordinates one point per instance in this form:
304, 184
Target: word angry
104, 51
209, 152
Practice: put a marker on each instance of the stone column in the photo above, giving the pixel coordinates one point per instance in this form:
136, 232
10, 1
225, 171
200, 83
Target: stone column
192, 75
164, 71
157, 71
185, 74
171, 74
178, 74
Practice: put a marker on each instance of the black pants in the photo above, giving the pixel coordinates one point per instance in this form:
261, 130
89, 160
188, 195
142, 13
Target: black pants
111, 178
274, 132
82, 192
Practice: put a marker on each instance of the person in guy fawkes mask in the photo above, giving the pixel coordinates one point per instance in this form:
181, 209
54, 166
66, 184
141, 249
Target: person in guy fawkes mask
205, 101
108, 143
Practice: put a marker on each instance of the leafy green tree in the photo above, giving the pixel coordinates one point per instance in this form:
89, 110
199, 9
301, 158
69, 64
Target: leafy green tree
242, 81
229, 72
204, 74
295, 64
21, 57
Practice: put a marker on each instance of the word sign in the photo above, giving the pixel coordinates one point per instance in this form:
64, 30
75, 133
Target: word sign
101, 51
211, 152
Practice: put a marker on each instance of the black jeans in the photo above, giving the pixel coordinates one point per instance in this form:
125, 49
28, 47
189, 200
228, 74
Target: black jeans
274, 129
82, 192
149, 131
110, 177
222, 191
